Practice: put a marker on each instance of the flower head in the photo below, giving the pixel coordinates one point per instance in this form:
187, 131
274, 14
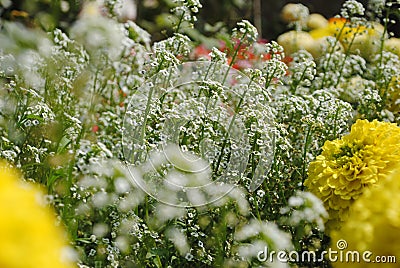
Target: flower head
348, 165
29, 236
393, 45
293, 12
256, 236
186, 10
316, 21
305, 209
357, 37
245, 31
352, 8
374, 222
98, 33
296, 14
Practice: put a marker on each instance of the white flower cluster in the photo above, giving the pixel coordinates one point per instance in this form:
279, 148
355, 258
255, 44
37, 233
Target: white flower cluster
352, 8
245, 31
138, 34
257, 236
185, 12
218, 56
336, 67
305, 208
377, 6
167, 53
98, 34
295, 14
303, 70
274, 69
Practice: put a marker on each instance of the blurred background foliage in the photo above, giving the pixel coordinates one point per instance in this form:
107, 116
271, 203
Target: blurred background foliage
216, 16
47, 14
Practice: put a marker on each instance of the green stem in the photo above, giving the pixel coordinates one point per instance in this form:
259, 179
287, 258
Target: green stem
296, 83
230, 126
180, 22
143, 129
269, 79
256, 207
331, 53
383, 40
234, 56
145, 117
346, 57
306, 143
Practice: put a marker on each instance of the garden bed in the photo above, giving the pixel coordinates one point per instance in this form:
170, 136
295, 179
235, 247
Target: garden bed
222, 151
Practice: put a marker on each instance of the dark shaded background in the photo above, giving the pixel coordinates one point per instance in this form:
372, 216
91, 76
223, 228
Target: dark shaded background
153, 14
232, 11
272, 25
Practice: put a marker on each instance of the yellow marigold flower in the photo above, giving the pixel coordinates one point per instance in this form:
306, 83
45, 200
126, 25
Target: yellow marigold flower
373, 225
29, 236
348, 165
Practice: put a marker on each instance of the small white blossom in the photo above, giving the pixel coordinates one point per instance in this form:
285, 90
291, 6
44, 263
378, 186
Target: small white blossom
352, 8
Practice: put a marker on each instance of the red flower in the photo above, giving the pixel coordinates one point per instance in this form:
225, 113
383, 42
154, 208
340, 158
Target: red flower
95, 128
246, 57
202, 51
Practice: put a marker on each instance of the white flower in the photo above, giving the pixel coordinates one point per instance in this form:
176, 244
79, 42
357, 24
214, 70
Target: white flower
352, 8
305, 208
179, 239
246, 31
98, 33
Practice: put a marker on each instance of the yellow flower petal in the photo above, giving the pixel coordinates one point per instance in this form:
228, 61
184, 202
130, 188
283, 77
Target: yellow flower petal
347, 166
373, 224
29, 236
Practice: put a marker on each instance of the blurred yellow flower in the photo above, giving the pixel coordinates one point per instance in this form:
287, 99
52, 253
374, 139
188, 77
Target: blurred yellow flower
393, 96
348, 165
374, 224
293, 41
329, 29
392, 45
363, 40
29, 236
314, 41
315, 21
294, 12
